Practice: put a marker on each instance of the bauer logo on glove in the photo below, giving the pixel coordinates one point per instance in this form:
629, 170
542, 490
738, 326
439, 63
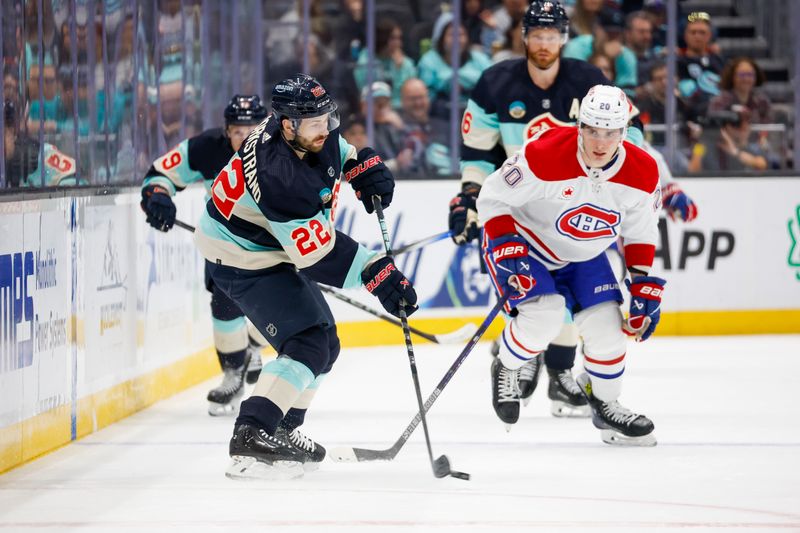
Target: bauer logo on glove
645, 310
383, 280
369, 177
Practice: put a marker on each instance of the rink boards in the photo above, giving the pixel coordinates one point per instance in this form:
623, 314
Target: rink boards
101, 316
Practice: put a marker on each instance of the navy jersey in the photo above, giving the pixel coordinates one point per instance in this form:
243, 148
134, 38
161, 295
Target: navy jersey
269, 207
198, 158
506, 108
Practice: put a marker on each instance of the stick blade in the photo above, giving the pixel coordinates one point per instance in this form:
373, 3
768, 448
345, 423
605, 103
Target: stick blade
343, 454
346, 454
460, 335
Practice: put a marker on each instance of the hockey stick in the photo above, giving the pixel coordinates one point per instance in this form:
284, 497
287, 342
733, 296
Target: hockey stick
184, 225
441, 465
410, 247
352, 455
459, 335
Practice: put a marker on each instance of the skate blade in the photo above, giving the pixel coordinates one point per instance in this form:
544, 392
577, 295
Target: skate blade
310, 466
223, 409
248, 468
564, 410
508, 427
616, 438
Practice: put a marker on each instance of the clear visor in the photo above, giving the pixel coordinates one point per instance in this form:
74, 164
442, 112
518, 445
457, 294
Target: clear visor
546, 36
316, 126
602, 134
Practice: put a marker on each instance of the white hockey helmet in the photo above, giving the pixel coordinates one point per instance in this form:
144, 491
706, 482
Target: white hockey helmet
605, 107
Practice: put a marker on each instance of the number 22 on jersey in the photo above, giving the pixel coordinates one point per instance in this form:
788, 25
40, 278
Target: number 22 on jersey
228, 187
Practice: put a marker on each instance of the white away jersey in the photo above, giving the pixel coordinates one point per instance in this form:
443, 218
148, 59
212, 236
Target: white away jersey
569, 213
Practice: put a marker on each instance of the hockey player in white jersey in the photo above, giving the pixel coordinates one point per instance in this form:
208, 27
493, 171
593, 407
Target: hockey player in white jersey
549, 213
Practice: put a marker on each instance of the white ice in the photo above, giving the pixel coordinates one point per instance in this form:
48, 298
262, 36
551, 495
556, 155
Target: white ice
728, 457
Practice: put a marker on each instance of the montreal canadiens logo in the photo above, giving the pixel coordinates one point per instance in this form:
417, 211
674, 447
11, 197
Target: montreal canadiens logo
588, 222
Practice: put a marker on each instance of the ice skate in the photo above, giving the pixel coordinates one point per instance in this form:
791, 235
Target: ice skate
255, 454
224, 399
254, 367
505, 393
528, 378
313, 452
618, 426
566, 396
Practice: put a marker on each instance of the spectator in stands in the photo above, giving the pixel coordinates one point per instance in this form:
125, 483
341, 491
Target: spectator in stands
651, 103
354, 132
699, 68
584, 17
731, 148
514, 45
281, 36
607, 40
425, 135
392, 66
48, 105
389, 140
11, 86
739, 85
657, 11
639, 39
22, 157
349, 31
504, 17
437, 72
477, 21
604, 63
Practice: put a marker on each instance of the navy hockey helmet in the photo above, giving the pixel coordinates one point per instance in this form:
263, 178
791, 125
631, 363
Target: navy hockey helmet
546, 14
301, 96
245, 109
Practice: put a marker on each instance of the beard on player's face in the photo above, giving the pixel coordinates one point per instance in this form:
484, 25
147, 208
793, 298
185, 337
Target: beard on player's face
542, 57
314, 145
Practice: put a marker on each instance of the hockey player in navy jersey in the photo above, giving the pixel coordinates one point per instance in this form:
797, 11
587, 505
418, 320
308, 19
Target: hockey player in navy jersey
549, 213
268, 232
512, 102
200, 158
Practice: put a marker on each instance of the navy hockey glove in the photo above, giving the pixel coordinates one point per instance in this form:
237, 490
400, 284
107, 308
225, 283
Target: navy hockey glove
383, 280
369, 176
463, 219
157, 204
513, 268
645, 306
677, 204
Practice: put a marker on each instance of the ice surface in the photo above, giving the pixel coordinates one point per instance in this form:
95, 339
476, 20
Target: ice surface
725, 410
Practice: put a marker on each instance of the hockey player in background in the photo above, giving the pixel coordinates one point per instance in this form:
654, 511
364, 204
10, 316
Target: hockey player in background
268, 234
512, 102
549, 213
192, 160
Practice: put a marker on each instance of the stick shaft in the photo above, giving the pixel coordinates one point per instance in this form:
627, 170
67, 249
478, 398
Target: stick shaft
363, 454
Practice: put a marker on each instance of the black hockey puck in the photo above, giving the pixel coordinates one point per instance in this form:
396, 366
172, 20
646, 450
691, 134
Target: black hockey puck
460, 475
